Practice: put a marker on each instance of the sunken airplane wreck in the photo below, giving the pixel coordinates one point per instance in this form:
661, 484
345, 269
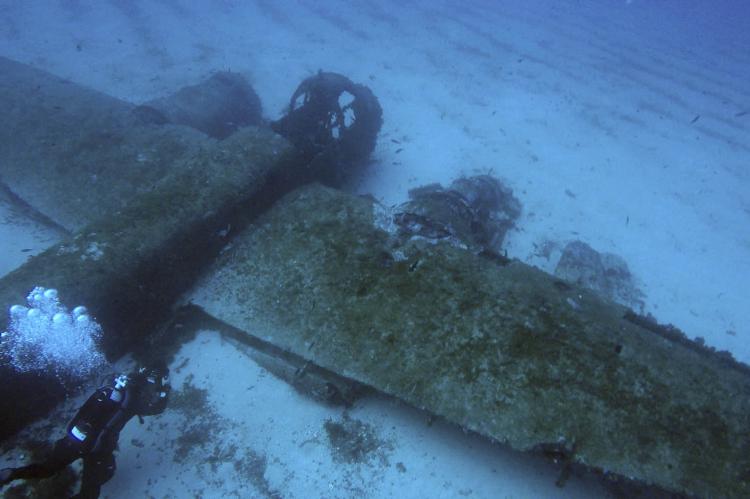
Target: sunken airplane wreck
413, 301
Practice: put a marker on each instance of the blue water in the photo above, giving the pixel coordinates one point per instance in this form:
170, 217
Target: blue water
624, 124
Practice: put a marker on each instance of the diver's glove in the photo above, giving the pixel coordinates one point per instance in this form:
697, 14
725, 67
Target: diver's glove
6, 476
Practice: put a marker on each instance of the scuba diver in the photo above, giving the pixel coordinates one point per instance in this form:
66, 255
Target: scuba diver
94, 431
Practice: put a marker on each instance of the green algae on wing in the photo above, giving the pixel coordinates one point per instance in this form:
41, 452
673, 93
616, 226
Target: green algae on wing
504, 350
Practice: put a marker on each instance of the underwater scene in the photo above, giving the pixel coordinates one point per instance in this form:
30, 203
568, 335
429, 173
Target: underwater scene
375, 249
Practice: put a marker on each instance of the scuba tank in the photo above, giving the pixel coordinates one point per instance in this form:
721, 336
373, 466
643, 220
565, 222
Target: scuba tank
97, 412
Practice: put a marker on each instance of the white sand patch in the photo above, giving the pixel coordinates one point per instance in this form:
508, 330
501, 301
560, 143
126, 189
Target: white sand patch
21, 237
258, 437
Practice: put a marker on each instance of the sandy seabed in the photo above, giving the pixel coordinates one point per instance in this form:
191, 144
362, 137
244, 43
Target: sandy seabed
616, 123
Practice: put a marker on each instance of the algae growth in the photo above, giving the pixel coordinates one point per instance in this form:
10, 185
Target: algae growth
504, 350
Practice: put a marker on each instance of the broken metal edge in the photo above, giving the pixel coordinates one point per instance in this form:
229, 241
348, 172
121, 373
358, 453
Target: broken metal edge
189, 319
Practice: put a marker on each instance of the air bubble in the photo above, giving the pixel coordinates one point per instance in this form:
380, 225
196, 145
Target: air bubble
17, 311
47, 337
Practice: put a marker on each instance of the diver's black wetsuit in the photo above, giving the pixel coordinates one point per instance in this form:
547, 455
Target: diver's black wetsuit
94, 431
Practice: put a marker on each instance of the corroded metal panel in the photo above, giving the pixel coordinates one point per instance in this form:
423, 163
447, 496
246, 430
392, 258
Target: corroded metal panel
75, 154
505, 350
129, 266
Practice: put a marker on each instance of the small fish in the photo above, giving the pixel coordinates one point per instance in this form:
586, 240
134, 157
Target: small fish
395, 141
741, 113
399, 150
697, 117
